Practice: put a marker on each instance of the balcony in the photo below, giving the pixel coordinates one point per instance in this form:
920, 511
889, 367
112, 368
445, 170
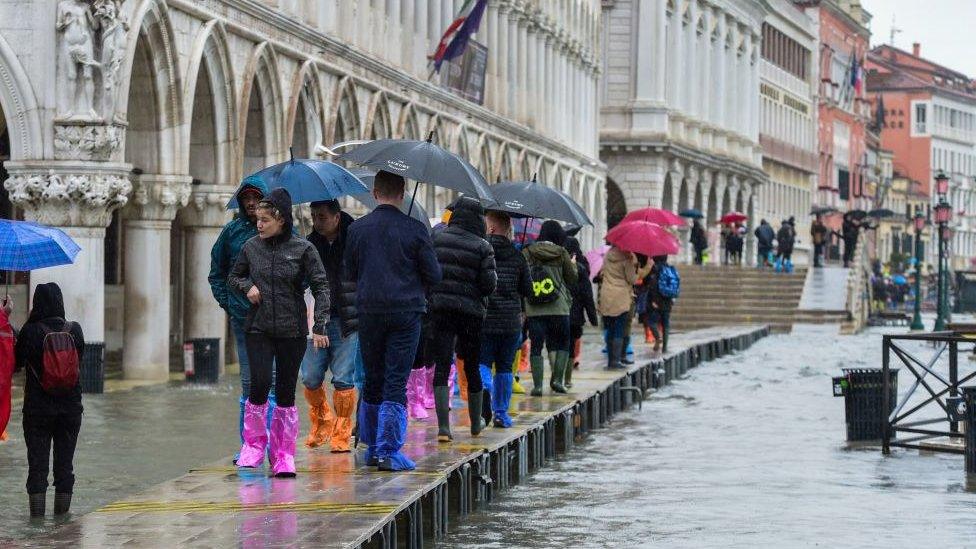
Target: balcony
782, 79
954, 134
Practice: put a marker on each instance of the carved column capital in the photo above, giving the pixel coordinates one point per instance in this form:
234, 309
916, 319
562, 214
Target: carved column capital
159, 197
207, 206
68, 194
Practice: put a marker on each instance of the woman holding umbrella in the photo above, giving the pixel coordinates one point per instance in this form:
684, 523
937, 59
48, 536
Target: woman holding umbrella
271, 271
615, 300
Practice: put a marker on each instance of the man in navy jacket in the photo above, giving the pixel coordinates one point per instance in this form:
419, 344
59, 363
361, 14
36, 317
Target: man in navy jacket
391, 257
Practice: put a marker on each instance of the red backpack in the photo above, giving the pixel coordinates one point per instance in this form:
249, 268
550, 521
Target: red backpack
60, 361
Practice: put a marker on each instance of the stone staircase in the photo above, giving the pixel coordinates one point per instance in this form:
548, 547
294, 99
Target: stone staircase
725, 295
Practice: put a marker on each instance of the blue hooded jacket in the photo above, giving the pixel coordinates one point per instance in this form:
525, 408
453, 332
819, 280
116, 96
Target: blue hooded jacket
224, 254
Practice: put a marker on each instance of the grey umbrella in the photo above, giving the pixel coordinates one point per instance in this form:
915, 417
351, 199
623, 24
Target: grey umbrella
366, 199
424, 162
533, 199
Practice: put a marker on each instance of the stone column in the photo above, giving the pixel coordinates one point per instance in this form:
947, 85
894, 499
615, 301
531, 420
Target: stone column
78, 197
202, 220
532, 78
501, 82
491, 70
421, 37
523, 70
512, 82
155, 201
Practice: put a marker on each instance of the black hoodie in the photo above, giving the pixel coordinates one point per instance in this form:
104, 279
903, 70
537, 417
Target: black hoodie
467, 262
504, 310
47, 312
342, 291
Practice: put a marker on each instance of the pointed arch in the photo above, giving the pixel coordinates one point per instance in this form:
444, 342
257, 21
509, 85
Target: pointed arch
408, 126
377, 124
525, 165
344, 124
210, 130
19, 107
667, 196
504, 163
260, 116
305, 110
485, 164
459, 142
684, 202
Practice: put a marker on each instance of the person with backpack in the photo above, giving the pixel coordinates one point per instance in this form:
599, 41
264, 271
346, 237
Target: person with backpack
553, 273
49, 350
272, 271
764, 241
663, 287
616, 298
457, 310
699, 241
583, 306
785, 238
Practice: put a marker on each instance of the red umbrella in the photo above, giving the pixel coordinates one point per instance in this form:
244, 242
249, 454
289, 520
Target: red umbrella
643, 237
655, 215
733, 217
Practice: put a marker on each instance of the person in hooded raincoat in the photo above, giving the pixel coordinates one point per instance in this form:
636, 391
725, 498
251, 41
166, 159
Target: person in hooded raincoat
615, 300
764, 242
272, 270
6, 364
49, 419
224, 254
583, 307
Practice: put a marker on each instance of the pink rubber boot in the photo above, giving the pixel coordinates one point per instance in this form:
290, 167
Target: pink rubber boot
255, 435
450, 384
284, 434
415, 394
429, 387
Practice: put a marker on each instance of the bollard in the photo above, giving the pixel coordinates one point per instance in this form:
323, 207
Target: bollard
863, 401
963, 408
92, 374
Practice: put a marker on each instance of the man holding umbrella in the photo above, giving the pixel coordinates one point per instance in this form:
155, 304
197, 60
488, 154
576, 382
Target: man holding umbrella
391, 258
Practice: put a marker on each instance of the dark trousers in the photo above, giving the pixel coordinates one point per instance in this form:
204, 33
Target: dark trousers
388, 342
461, 334
499, 350
849, 245
551, 332
699, 256
615, 325
39, 433
660, 317
277, 359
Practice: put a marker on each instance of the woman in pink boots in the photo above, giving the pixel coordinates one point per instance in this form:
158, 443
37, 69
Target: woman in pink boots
271, 271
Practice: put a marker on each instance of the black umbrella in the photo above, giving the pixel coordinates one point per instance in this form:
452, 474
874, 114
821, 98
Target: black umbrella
693, 213
856, 214
424, 162
366, 199
821, 210
881, 213
533, 199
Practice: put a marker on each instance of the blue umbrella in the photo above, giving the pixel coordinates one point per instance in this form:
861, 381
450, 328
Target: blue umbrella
309, 180
25, 246
899, 279
693, 213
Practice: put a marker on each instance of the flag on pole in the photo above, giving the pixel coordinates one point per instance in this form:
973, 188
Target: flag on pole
857, 73
458, 33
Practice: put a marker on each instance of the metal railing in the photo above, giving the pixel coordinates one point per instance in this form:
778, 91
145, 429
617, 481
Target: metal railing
938, 380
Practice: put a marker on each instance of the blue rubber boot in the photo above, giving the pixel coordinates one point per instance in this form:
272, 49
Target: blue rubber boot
501, 397
240, 426
391, 433
486, 384
366, 422
606, 340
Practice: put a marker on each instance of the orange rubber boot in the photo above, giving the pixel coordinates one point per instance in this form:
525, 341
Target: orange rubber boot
462, 378
320, 416
344, 401
577, 351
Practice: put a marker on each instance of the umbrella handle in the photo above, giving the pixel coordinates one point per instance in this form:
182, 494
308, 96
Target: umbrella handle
413, 198
525, 229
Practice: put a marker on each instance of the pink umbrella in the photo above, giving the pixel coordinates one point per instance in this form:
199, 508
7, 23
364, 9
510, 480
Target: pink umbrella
595, 259
643, 237
733, 217
655, 215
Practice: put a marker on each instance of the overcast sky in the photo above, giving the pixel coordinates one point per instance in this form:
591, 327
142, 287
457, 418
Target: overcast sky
945, 28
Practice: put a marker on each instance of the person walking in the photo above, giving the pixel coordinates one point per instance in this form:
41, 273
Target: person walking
818, 235
502, 331
764, 242
391, 257
457, 309
49, 350
553, 273
583, 306
699, 241
735, 243
849, 232
616, 298
224, 254
663, 287
272, 271
6, 364
785, 239
330, 228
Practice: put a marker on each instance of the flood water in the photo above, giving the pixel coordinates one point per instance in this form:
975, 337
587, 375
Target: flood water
747, 451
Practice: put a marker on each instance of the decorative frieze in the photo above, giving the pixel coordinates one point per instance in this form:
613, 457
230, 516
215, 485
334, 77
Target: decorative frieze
84, 141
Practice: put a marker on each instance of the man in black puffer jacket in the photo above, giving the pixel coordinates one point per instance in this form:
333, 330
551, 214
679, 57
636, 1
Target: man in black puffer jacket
502, 332
457, 307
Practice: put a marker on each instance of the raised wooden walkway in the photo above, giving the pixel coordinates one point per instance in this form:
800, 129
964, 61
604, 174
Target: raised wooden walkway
336, 501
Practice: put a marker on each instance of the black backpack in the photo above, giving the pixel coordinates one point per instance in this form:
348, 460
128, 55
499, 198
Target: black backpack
545, 288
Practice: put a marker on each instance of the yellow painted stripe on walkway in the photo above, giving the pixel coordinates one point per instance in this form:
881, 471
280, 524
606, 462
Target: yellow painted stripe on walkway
232, 469
235, 506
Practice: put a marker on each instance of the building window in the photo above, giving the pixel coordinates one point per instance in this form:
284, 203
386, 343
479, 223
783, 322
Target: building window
844, 183
920, 118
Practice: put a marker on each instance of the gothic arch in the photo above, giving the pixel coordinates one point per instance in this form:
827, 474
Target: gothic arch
263, 137
667, 196
408, 127
209, 96
616, 204
485, 164
378, 124
459, 143
345, 118
305, 109
683, 198
525, 165
504, 163
19, 107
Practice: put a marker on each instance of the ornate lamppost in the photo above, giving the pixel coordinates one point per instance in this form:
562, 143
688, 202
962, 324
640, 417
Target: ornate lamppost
920, 222
943, 215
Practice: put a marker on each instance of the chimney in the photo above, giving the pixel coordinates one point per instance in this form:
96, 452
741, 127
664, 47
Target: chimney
916, 49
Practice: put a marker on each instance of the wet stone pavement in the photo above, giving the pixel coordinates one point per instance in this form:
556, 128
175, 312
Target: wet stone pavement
747, 451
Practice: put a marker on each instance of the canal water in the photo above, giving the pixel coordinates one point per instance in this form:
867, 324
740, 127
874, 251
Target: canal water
747, 451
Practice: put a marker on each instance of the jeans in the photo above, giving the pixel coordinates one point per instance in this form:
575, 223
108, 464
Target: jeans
817, 254
389, 345
274, 360
39, 433
551, 331
662, 317
499, 350
237, 327
340, 356
615, 325
450, 333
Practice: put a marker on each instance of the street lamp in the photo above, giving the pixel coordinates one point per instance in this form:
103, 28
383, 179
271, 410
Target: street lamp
943, 215
919, 227
941, 184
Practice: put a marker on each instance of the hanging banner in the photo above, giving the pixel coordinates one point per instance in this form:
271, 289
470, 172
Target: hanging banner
465, 75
